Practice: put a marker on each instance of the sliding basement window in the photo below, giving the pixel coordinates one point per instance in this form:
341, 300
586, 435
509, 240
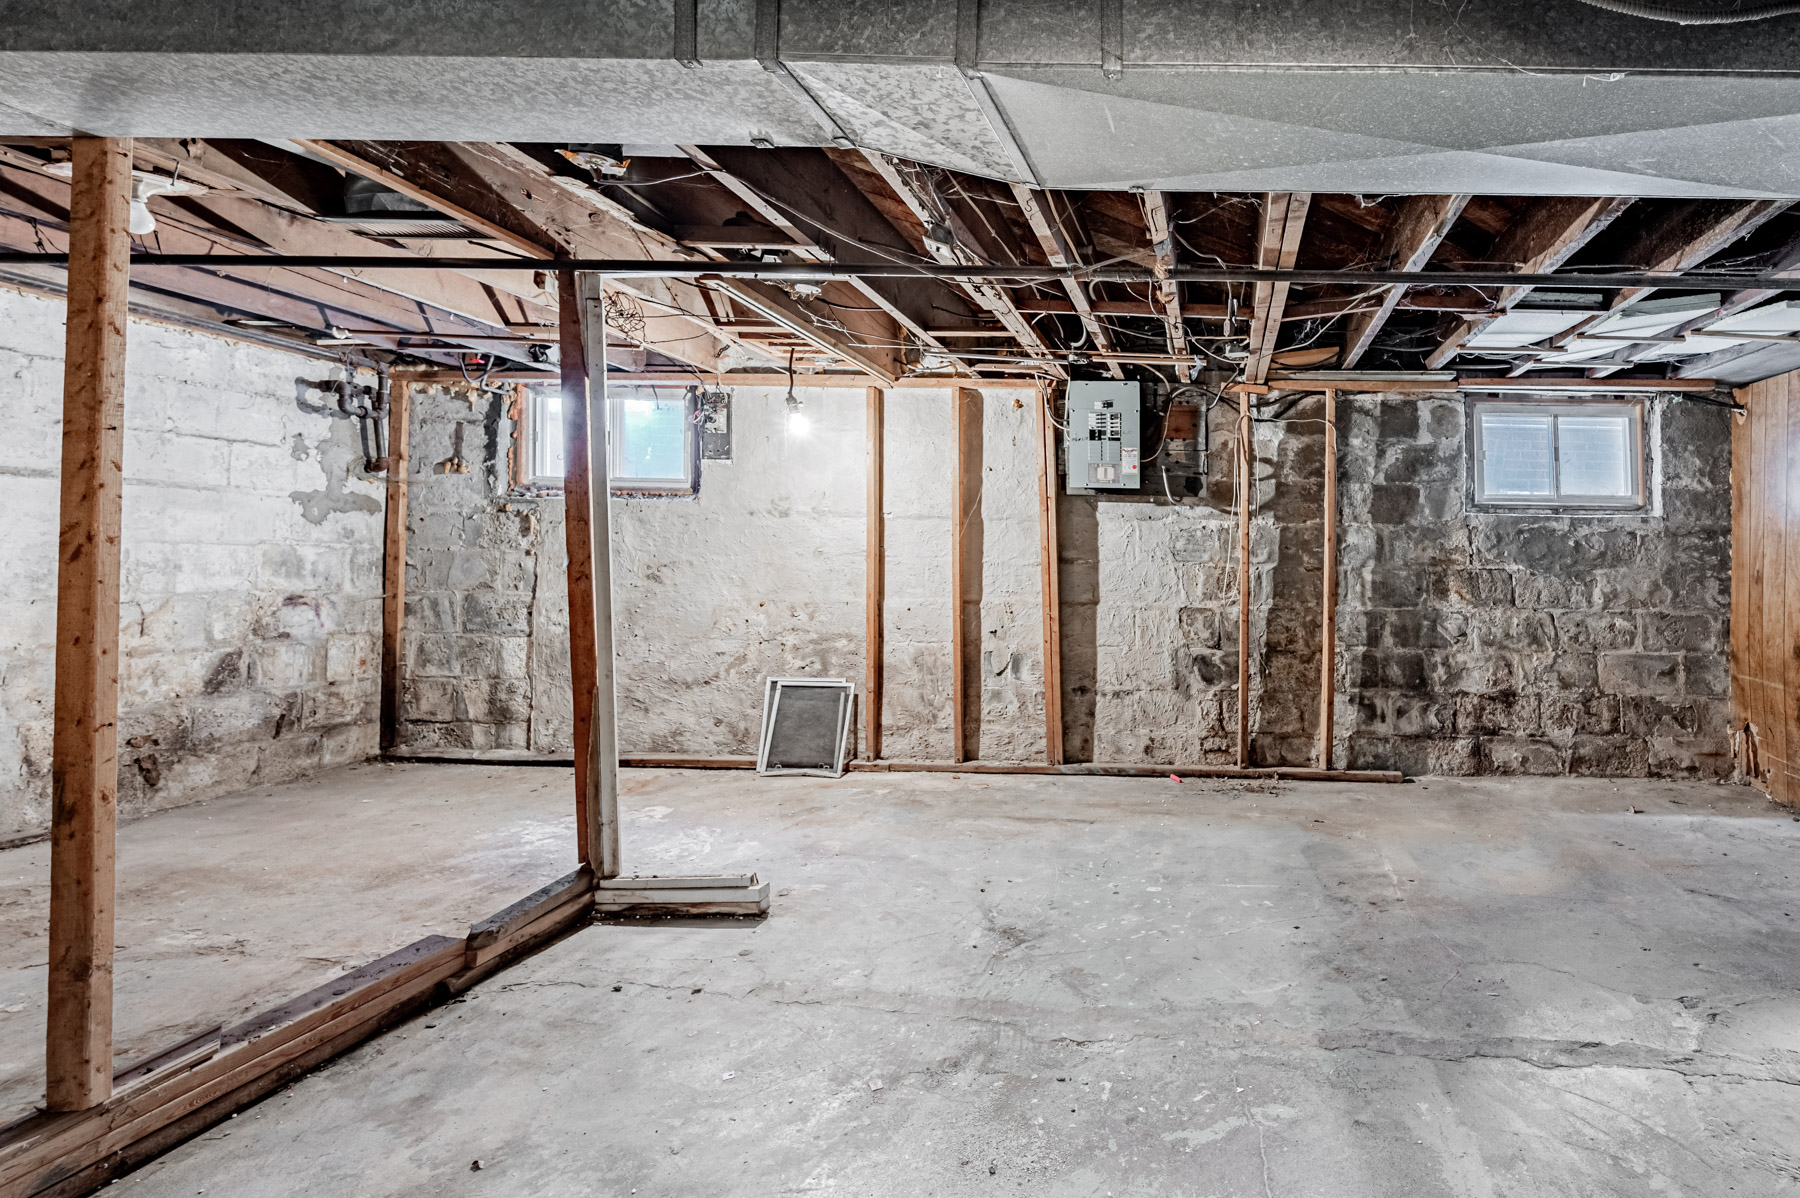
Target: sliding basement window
1558, 456
654, 445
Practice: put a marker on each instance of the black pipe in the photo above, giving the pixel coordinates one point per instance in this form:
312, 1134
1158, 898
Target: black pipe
798, 271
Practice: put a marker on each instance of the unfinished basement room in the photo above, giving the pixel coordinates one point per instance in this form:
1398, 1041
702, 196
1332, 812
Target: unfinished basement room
1121, 599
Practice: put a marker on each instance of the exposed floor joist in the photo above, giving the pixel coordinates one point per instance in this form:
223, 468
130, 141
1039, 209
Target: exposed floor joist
1160, 228
1414, 235
1040, 213
1542, 239
958, 250
1277, 244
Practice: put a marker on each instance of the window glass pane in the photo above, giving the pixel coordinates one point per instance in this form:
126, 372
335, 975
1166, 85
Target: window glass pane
1596, 455
652, 439
1516, 455
547, 435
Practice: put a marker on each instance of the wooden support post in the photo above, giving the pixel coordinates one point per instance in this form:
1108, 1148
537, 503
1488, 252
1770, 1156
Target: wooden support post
1246, 463
965, 578
393, 568
84, 765
1328, 588
601, 808
583, 477
875, 577
1049, 584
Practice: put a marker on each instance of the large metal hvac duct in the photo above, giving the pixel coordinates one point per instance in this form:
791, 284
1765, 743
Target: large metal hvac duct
1496, 96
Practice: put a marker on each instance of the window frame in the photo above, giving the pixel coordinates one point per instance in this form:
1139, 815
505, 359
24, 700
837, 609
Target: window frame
525, 441
1637, 503
527, 479
626, 484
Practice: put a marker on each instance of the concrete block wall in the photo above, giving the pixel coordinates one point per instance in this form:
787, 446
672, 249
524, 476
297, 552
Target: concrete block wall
1499, 643
250, 619
473, 558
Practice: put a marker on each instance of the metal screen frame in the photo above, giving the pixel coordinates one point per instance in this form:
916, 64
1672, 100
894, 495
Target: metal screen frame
772, 688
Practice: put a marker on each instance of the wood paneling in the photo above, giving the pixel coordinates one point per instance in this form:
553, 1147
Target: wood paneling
1765, 584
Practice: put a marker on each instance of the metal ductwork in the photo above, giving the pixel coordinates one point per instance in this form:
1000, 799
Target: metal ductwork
1532, 97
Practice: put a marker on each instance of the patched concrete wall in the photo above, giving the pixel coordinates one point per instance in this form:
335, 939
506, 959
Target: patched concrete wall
1497, 643
251, 568
1150, 625
473, 557
1470, 642
761, 574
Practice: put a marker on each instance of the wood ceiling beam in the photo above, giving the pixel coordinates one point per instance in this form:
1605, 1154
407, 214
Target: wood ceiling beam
501, 192
306, 298
1786, 264
1415, 233
804, 193
1040, 214
1690, 234
1277, 245
1161, 230
253, 167
1544, 237
288, 233
1684, 238
959, 250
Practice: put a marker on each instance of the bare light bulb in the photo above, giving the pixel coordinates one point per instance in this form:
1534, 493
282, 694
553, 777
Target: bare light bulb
797, 423
141, 220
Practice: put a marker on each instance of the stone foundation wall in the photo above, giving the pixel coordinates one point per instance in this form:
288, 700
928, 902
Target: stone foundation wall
1500, 643
250, 616
1470, 642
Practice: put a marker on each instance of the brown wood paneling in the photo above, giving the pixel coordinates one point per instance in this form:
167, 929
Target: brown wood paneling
1765, 580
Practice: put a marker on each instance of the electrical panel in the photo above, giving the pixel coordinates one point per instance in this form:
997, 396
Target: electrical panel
1103, 437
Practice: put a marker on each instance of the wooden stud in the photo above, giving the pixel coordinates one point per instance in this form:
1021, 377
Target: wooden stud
1049, 581
579, 542
600, 798
965, 576
1328, 588
84, 765
1246, 464
393, 566
1785, 671
875, 577
1774, 455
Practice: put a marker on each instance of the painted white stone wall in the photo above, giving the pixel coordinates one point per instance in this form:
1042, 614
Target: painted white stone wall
251, 568
762, 574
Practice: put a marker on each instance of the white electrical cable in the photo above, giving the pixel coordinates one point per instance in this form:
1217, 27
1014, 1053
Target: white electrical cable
1691, 16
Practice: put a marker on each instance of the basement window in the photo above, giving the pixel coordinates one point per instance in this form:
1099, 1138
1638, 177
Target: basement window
1559, 455
654, 446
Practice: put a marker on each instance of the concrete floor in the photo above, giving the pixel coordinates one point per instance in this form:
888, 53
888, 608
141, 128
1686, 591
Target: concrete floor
985, 985
228, 907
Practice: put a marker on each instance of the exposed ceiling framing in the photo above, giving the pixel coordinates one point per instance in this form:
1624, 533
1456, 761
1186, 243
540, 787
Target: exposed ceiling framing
874, 220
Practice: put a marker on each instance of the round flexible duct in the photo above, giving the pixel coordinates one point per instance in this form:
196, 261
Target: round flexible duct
1691, 16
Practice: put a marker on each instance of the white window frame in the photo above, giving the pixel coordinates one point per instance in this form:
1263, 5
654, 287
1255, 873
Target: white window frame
530, 473
624, 483
1637, 501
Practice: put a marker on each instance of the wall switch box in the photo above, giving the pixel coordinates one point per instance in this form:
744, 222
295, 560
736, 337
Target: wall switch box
1103, 437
